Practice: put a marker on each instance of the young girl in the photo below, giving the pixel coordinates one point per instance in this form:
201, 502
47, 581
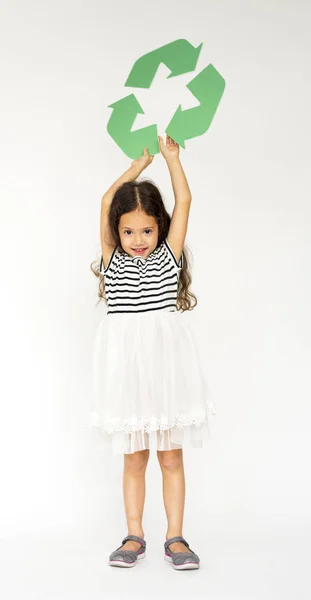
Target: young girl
150, 388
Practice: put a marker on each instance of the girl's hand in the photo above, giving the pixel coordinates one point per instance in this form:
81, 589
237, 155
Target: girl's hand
171, 150
143, 161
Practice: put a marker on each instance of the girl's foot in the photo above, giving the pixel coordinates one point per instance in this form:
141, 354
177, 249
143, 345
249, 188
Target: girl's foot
130, 545
180, 559
133, 548
178, 547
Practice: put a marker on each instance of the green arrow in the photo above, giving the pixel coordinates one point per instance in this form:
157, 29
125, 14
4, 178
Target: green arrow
179, 56
208, 87
119, 127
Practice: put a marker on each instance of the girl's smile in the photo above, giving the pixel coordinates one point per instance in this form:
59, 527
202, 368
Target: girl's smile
140, 250
136, 227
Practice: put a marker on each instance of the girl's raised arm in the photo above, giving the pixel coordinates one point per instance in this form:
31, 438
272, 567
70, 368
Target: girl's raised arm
130, 174
179, 222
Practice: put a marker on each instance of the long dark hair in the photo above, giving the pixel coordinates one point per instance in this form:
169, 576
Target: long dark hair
144, 195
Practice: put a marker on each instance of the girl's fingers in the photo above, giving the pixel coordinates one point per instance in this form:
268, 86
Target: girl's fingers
161, 144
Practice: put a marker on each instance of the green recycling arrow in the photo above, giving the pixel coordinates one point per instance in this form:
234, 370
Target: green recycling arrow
179, 56
120, 124
208, 87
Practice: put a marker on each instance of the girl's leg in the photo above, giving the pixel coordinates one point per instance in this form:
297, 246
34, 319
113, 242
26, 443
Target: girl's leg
134, 490
173, 479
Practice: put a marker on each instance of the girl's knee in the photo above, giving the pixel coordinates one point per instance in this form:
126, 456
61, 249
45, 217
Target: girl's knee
137, 461
170, 459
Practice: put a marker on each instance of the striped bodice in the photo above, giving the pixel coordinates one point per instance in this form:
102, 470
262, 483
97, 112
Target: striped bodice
137, 284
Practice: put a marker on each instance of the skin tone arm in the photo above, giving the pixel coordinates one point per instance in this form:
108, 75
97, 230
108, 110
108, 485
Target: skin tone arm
179, 181
170, 152
130, 174
179, 222
136, 168
181, 190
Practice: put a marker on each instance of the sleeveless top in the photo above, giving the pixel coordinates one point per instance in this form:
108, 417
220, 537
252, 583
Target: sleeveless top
136, 284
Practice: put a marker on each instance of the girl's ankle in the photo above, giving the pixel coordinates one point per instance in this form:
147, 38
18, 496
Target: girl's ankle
171, 535
141, 534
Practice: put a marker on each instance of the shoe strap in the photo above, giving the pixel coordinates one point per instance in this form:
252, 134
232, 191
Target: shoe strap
177, 538
134, 538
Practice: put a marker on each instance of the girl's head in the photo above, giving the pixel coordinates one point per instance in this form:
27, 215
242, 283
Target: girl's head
138, 219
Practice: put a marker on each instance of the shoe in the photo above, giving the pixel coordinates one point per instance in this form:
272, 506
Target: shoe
128, 558
181, 560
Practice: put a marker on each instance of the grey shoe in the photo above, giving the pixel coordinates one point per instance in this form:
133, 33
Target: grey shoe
128, 558
181, 560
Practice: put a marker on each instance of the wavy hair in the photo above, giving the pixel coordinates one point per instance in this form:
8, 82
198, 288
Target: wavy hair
144, 195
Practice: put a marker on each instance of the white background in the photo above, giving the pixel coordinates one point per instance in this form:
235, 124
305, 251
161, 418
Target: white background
248, 492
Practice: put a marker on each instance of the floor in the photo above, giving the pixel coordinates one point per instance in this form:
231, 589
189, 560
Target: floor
64, 568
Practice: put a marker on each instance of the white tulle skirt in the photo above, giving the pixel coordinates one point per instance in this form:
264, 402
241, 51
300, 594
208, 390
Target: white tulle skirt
150, 389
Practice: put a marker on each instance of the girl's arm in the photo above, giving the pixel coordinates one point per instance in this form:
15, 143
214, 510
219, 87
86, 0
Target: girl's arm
130, 174
179, 222
179, 181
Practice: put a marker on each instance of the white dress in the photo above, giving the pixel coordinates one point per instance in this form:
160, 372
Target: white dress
149, 386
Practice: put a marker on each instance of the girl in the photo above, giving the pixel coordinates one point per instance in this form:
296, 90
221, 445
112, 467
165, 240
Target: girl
150, 388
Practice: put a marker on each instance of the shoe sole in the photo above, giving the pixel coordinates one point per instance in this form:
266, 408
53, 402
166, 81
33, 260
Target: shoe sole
121, 563
184, 567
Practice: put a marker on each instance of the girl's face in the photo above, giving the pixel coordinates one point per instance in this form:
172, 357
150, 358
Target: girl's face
138, 230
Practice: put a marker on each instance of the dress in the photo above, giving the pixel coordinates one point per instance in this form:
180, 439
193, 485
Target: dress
149, 386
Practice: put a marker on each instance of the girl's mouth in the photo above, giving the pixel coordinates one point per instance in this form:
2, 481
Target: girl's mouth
139, 250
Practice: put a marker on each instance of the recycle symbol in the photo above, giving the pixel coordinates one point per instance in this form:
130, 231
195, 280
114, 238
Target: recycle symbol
207, 87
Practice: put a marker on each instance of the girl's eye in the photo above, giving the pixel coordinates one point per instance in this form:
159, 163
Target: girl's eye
128, 230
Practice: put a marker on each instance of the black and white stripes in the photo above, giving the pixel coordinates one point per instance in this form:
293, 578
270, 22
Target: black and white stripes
137, 284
